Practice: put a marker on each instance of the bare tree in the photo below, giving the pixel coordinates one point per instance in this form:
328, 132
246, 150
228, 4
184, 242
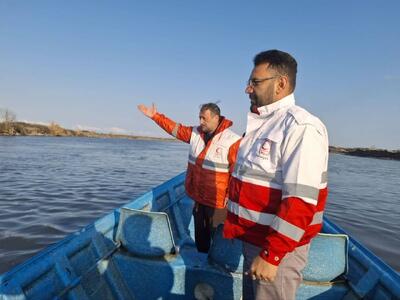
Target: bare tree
7, 120
7, 115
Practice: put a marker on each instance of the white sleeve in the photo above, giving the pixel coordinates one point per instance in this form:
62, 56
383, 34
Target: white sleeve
304, 162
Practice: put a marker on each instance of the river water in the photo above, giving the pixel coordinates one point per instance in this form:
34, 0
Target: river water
50, 187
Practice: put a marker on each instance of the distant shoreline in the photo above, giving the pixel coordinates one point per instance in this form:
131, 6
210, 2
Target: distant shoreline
367, 152
54, 130
27, 129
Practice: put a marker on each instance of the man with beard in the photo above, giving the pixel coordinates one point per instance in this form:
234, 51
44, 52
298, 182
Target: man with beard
278, 188
213, 149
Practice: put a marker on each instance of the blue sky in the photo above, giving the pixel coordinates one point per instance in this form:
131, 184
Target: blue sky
87, 64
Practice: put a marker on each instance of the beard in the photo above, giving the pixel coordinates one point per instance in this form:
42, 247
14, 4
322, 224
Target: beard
253, 103
257, 101
204, 128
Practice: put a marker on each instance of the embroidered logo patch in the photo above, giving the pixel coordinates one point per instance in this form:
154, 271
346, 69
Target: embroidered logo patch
218, 152
265, 149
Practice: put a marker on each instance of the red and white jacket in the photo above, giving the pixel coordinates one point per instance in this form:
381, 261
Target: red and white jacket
209, 165
278, 188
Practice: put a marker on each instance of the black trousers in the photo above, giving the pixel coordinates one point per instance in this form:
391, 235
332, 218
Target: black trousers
206, 221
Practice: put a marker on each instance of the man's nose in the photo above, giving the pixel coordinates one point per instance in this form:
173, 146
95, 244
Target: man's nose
249, 89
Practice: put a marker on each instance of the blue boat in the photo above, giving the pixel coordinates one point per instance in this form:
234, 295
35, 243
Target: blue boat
146, 250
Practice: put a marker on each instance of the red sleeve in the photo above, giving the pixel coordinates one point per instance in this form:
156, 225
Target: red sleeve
232, 154
292, 212
177, 130
304, 161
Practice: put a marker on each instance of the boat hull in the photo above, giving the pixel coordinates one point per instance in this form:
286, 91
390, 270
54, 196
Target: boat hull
145, 250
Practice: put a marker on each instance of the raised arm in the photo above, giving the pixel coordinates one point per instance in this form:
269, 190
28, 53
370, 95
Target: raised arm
177, 130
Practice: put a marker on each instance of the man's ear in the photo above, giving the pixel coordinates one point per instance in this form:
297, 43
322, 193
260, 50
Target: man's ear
282, 84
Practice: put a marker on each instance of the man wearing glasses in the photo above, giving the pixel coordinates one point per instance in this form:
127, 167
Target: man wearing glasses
278, 189
213, 149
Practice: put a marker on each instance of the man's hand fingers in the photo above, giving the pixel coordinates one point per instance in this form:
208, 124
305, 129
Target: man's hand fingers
269, 279
141, 107
249, 273
148, 111
255, 276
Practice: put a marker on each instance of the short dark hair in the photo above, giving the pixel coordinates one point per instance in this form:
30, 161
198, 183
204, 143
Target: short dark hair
212, 107
280, 61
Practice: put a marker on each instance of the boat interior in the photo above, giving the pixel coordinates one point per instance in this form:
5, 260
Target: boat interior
146, 250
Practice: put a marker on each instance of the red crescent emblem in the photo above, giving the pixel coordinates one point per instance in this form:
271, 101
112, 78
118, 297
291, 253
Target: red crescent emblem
264, 150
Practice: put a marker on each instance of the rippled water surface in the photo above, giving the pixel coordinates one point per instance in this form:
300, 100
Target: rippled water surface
364, 200
50, 187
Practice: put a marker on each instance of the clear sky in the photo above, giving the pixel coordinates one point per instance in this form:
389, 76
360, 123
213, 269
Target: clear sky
87, 64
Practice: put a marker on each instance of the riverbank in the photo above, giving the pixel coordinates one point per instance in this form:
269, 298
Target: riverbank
29, 129
367, 152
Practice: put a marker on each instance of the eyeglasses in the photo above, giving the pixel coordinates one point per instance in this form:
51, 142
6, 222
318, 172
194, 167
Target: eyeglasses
255, 82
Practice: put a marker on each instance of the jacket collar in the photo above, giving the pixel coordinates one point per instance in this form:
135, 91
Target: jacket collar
254, 121
270, 108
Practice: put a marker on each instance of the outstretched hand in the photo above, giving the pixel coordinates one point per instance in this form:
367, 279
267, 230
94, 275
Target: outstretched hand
148, 111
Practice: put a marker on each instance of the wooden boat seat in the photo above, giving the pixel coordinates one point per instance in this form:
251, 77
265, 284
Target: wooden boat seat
145, 233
